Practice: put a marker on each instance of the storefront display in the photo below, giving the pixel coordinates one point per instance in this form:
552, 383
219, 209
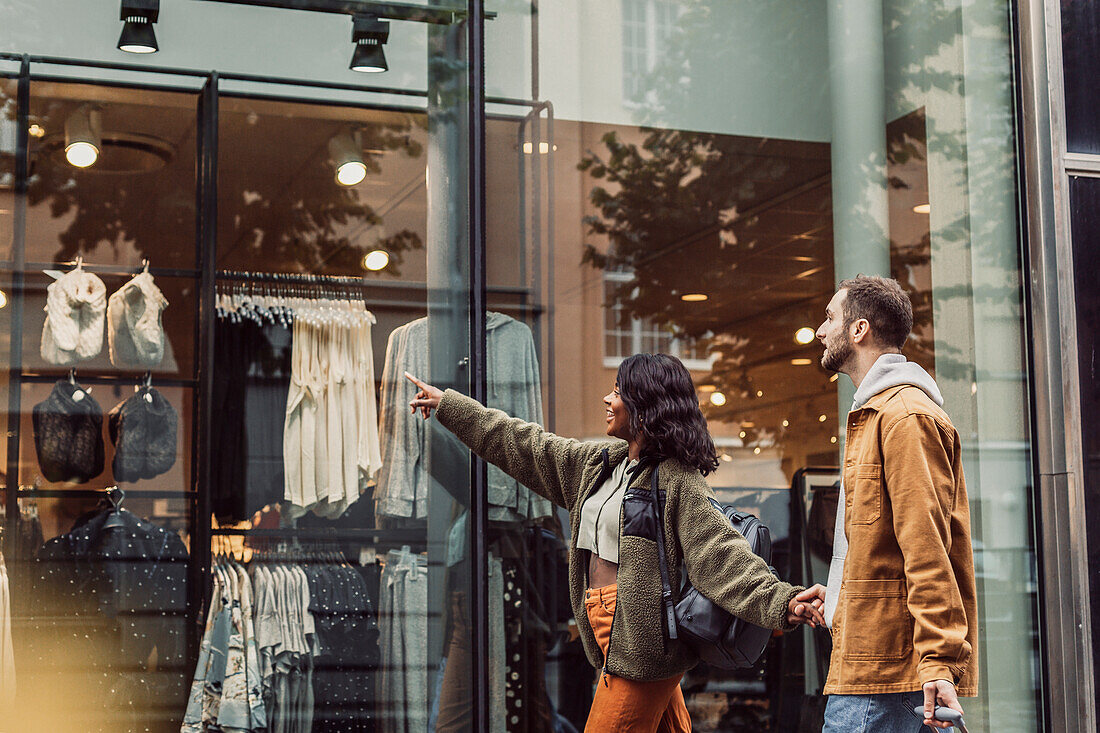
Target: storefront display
253, 257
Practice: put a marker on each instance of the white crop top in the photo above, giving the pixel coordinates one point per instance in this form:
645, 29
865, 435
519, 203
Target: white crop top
599, 530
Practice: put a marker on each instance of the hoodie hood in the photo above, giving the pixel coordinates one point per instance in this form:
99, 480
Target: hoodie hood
494, 320
892, 370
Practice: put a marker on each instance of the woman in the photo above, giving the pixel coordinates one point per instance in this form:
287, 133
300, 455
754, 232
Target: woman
613, 561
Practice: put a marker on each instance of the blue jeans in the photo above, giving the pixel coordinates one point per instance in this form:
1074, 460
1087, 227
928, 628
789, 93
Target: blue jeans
886, 713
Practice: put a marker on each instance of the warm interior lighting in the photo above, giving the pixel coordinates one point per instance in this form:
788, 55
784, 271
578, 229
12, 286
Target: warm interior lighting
707, 388
346, 153
83, 137
786, 423
37, 130
376, 260
748, 425
922, 209
759, 393
742, 434
802, 362
756, 450
834, 377
832, 439
3, 299
717, 399
693, 297
804, 335
544, 148
822, 418
727, 457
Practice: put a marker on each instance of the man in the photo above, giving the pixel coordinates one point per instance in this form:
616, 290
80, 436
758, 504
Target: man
901, 605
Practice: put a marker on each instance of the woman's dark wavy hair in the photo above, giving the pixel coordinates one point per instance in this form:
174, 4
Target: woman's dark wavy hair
664, 411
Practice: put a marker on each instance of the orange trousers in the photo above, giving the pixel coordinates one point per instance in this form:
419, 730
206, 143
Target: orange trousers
625, 705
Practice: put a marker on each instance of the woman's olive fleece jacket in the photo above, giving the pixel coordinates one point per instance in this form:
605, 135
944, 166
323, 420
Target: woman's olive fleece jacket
718, 560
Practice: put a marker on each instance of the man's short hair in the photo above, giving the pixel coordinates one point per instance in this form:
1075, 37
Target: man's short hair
882, 302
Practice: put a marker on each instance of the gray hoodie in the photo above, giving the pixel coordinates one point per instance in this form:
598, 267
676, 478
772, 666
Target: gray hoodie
889, 370
512, 377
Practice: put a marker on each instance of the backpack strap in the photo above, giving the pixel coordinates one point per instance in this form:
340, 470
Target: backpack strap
666, 587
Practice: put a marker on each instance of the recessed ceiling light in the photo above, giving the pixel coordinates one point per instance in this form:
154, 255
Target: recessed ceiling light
804, 335
756, 450
727, 457
822, 418
922, 209
748, 425
376, 260
832, 439
786, 423
693, 297
802, 362
717, 399
742, 434
759, 393
36, 130
707, 388
544, 148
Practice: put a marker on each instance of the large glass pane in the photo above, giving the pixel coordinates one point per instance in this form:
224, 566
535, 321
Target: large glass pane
695, 178
1081, 63
341, 264
1085, 218
99, 368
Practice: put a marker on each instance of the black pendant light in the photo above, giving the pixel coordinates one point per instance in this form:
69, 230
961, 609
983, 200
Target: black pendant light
369, 34
138, 17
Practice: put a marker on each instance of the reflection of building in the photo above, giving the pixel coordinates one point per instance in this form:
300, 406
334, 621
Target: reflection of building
731, 176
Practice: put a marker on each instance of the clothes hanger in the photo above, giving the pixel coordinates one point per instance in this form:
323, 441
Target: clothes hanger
115, 495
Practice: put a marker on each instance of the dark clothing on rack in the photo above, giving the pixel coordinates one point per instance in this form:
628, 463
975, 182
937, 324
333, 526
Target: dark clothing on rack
227, 440
68, 434
110, 626
347, 629
251, 378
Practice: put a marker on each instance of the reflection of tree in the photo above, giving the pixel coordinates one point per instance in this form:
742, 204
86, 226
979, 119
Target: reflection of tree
679, 209
299, 220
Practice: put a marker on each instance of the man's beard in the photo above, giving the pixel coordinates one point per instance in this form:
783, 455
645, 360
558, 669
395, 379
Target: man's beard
837, 354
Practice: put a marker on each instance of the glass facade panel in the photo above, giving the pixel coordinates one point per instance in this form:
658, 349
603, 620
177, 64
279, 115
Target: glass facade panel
1081, 59
687, 193
1085, 218
259, 535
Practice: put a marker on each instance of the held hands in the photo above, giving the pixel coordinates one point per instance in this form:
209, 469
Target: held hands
941, 693
806, 607
427, 398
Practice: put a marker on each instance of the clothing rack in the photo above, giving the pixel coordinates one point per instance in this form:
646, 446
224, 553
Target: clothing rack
376, 536
103, 493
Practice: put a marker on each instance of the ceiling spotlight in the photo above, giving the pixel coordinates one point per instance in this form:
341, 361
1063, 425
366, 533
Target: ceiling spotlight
822, 418
83, 130
922, 209
369, 35
832, 439
786, 423
742, 434
36, 130
346, 153
376, 260
801, 362
756, 450
804, 335
138, 17
3, 299
693, 297
717, 399
759, 393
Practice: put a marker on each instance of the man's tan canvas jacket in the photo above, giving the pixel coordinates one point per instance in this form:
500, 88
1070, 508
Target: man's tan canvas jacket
906, 613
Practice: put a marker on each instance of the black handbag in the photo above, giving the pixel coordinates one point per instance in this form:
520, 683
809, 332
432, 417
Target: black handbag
720, 639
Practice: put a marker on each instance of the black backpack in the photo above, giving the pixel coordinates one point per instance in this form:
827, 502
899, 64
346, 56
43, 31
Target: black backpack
721, 639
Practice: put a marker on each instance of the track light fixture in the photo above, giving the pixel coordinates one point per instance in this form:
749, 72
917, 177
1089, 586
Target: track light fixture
83, 135
369, 35
138, 17
346, 152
